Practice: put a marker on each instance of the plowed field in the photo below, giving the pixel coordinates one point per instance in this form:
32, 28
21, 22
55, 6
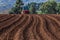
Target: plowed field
29, 27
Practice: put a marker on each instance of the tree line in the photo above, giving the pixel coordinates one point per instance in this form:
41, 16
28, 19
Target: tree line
49, 7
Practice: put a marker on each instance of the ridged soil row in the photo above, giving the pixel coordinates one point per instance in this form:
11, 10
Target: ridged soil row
2, 15
49, 24
4, 30
8, 22
13, 27
35, 29
6, 18
54, 26
29, 27
56, 16
18, 30
29, 32
41, 29
54, 20
44, 31
40, 23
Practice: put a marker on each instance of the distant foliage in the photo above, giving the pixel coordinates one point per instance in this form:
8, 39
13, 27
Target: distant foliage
58, 8
18, 8
48, 7
32, 8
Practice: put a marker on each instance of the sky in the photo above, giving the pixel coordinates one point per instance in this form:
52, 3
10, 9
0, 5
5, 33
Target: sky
11, 2
7, 2
29, 1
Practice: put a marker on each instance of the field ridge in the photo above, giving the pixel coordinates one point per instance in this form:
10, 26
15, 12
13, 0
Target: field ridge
29, 27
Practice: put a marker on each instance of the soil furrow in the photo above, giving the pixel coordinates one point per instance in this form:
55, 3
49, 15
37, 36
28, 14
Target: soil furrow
13, 32
29, 33
35, 29
8, 28
29, 27
54, 19
9, 22
21, 30
6, 18
40, 29
55, 29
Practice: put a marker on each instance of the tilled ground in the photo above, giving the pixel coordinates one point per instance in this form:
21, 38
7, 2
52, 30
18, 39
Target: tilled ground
29, 27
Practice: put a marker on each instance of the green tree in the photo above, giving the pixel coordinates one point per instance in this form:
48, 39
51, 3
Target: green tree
17, 7
48, 7
58, 8
32, 8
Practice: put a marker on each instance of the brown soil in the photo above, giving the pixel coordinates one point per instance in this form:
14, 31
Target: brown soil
29, 27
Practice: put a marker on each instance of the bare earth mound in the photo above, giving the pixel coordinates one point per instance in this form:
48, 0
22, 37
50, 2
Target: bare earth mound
29, 27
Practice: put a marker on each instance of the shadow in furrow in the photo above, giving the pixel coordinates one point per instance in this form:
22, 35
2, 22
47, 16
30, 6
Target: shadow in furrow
25, 30
8, 22
35, 29
6, 18
18, 28
9, 28
54, 19
40, 24
53, 28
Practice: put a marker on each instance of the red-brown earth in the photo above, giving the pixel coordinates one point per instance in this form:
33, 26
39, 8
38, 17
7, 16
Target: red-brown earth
29, 27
